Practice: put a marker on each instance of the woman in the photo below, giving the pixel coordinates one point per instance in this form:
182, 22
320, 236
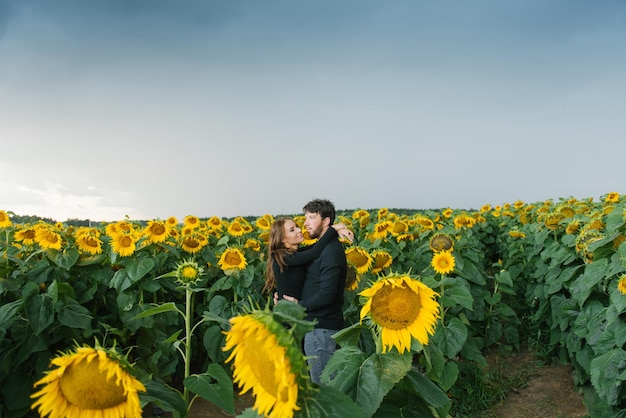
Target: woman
286, 262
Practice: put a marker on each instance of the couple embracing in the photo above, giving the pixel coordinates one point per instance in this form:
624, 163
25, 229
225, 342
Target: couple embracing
313, 276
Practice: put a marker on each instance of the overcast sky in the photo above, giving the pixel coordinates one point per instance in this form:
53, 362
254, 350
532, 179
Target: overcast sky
155, 108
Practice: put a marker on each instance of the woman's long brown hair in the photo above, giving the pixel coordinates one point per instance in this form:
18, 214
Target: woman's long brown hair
275, 251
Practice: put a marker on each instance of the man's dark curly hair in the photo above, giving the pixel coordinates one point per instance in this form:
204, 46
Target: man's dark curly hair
324, 207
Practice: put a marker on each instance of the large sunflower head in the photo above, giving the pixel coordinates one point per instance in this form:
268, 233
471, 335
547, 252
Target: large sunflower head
88, 382
267, 359
400, 308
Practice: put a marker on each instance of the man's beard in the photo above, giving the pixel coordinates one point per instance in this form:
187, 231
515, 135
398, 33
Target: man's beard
316, 232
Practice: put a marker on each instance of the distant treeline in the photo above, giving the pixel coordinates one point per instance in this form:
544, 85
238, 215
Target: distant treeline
30, 219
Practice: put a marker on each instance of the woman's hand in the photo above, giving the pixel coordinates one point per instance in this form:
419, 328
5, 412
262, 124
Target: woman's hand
343, 232
290, 298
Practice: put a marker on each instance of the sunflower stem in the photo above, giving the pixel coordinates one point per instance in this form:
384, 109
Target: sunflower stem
187, 359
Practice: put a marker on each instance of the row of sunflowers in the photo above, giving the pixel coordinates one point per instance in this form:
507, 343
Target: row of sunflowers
164, 311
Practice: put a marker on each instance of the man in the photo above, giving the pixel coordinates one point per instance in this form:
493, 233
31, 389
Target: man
322, 293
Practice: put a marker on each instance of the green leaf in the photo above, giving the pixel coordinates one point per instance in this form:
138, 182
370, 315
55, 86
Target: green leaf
457, 293
214, 386
67, 258
137, 270
349, 336
210, 316
120, 281
451, 337
426, 389
165, 307
584, 284
75, 316
327, 401
165, 397
450, 375
40, 312
605, 374
344, 364
374, 377
8, 313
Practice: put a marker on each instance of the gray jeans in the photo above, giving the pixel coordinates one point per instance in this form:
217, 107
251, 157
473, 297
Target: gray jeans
318, 347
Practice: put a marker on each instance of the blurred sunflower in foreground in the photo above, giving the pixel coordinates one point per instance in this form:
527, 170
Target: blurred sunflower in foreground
267, 358
89, 383
401, 308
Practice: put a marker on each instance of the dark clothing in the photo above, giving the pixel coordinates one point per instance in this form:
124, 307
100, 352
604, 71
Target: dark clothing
291, 279
322, 294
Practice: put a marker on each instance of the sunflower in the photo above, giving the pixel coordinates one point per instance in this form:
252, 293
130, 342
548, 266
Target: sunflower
267, 360
447, 213
515, 233
461, 221
382, 213
215, 223
443, 262
381, 230
231, 260
359, 258
441, 241
399, 228
405, 237
193, 241
382, 260
236, 229
123, 245
358, 214
264, 222
426, 223
5, 221
188, 272
552, 220
91, 383
48, 239
612, 197
88, 240
621, 284
485, 208
253, 244
26, 236
156, 231
401, 308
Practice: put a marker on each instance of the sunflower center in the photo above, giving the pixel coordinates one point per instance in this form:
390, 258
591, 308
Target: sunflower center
157, 229
125, 241
232, 259
395, 307
87, 387
189, 273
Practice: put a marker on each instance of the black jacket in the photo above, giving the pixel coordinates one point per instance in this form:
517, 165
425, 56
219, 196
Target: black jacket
291, 279
322, 293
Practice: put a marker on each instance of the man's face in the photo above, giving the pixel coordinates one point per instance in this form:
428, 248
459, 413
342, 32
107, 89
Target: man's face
314, 224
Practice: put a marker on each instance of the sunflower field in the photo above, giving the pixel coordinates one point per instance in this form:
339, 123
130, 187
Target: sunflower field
103, 320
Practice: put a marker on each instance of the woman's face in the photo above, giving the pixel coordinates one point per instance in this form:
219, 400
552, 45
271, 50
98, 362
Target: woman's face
292, 235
